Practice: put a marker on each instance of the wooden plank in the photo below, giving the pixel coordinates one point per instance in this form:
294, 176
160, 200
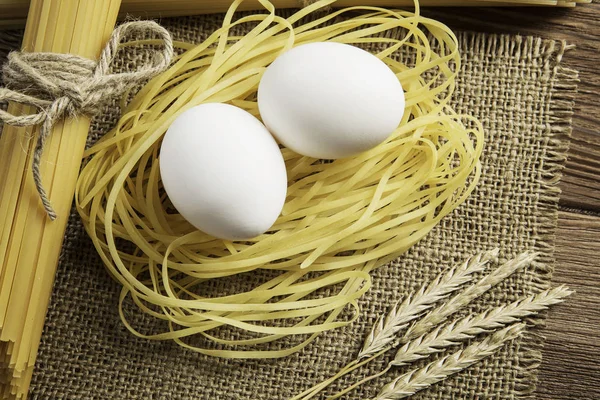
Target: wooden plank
570, 367
11, 10
581, 182
579, 26
571, 356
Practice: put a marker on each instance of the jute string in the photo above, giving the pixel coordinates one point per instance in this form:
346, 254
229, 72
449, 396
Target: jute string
61, 85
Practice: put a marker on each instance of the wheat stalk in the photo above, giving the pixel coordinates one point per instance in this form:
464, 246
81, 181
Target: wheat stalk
384, 333
443, 337
462, 299
385, 329
408, 384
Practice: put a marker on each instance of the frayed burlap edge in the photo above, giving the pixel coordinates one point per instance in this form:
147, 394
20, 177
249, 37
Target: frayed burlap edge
563, 90
560, 108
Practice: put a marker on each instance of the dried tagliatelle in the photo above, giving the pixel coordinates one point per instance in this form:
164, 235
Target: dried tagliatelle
341, 218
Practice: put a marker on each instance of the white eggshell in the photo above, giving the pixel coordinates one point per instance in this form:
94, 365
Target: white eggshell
223, 171
330, 100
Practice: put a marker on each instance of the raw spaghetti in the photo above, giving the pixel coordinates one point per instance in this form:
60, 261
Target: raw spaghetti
341, 219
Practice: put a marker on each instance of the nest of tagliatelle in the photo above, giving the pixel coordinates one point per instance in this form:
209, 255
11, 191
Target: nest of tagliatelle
341, 219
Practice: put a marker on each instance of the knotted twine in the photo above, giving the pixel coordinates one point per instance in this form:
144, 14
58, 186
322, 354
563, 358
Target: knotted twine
61, 85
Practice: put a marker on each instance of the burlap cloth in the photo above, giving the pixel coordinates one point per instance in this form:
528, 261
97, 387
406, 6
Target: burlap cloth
518, 89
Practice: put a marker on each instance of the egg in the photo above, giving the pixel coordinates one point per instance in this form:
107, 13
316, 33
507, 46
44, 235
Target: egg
330, 100
223, 171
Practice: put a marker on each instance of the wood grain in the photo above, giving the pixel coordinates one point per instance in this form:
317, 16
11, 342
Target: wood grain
12, 12
579, 26
571, 356
571, 363
571, 367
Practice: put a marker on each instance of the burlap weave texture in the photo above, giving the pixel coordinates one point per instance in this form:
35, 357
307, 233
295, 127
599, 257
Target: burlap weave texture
516, 87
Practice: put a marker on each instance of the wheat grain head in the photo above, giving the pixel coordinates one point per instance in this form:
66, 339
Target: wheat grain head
464, 298
408, 384
401, 314
466, 328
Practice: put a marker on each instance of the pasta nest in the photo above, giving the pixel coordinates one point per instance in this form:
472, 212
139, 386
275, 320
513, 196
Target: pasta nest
341, 218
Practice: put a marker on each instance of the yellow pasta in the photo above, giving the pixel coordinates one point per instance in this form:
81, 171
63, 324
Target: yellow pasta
341, 219
29, 243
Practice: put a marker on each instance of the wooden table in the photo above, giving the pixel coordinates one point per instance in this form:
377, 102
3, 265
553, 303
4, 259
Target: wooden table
571, 357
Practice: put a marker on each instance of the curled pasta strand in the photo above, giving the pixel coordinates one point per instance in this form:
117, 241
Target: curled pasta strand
341, 220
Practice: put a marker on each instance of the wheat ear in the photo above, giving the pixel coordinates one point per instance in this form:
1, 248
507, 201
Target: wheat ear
443, 337
462, 299
408, 384
384, 330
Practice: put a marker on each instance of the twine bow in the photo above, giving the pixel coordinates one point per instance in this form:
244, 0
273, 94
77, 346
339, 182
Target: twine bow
61, 85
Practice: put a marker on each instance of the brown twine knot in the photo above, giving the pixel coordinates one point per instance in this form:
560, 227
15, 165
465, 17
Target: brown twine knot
61, 85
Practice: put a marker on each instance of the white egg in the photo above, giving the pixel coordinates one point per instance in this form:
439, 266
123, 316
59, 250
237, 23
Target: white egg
330, 100
223, 171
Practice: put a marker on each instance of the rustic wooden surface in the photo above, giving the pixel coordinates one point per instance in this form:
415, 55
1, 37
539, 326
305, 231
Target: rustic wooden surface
571, 365
571, 357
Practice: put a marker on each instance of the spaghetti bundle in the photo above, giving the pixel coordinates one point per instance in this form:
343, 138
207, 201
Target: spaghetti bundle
341, 219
